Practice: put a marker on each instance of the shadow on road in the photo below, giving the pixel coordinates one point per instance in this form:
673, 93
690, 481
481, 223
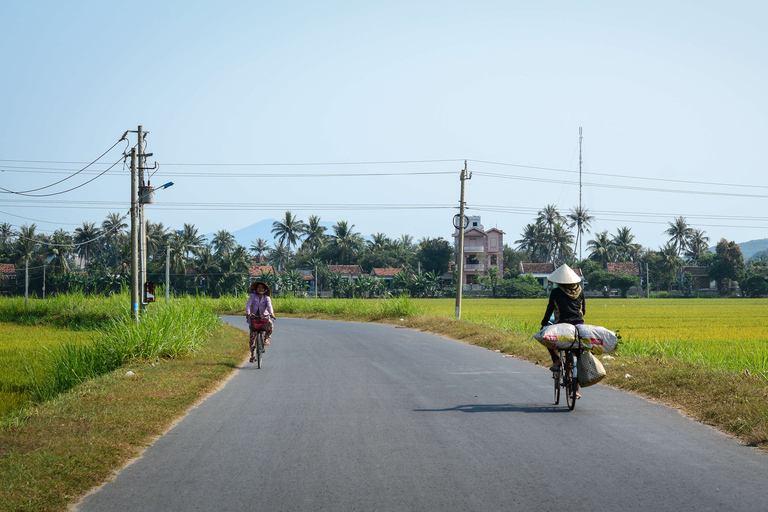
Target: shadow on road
526, 408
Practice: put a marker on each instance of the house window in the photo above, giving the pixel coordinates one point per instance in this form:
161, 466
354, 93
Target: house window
472, 259
474, 224
471, 279
494, 259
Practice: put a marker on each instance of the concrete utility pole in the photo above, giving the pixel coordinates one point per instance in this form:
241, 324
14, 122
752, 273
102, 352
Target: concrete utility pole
167, 272
134, 238
460, 257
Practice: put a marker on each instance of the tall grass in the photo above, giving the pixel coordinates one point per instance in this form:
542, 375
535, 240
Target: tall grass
165, 330
73, 311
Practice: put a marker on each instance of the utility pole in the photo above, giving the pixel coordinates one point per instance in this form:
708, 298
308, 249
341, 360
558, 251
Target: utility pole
460, 258
134, 238
142, 219
578, 233
167, 272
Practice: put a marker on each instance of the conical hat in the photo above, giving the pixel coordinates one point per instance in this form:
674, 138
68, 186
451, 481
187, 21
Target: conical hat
252, 288
564, 275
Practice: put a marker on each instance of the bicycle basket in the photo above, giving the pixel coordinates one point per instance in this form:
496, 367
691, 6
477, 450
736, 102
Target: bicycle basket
259, 324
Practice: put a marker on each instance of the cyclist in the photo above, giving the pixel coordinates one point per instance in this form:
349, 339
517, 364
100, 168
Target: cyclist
566, 304
259, 305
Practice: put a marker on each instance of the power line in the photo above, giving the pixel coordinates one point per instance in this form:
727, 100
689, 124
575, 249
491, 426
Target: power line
63, 191
26, 192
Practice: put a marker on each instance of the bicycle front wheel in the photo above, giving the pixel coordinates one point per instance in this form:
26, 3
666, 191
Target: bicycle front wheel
259, 349
570, 382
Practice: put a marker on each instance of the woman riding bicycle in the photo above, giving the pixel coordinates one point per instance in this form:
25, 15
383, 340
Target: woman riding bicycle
566, 301
259, 305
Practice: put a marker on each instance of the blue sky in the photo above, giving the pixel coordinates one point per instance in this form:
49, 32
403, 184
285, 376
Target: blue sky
391, 97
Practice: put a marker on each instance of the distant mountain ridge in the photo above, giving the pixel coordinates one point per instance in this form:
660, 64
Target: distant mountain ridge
749, 249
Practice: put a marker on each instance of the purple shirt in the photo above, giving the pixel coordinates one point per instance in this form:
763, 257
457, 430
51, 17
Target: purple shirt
259, 305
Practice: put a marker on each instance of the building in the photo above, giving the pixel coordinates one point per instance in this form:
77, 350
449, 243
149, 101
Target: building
541, 271
347, 271
385, 274
483, 250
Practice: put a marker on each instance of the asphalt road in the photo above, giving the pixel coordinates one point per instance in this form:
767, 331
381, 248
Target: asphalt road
348, 416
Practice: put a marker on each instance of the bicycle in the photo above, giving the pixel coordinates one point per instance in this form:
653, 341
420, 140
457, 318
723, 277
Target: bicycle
567, 376
258, 324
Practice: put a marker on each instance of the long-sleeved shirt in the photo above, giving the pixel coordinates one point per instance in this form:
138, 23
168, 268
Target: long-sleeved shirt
259, 305
568, 306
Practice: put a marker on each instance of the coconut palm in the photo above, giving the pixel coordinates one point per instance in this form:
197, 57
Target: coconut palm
157, 238
533, 242
679, 231
280, 256
601, 248
224, 242
26, 243
87, 240
289, 230
580, 218
346, 241
113, 227
60, 249
549, 217
190, 240
259, 248
314, 234
561, 243
624, 248
698, 245
206, 267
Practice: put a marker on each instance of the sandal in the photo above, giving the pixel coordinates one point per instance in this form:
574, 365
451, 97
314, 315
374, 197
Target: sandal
252, 360
266, 342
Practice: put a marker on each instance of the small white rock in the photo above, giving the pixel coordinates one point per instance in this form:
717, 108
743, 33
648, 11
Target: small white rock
627, 376
129, 373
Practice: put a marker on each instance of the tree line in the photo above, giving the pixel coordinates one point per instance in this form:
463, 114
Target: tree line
95, 258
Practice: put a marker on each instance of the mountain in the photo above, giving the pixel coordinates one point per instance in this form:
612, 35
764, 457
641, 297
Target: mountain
749, 249
261, 229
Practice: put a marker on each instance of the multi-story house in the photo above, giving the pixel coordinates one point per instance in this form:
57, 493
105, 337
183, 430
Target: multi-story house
483, 250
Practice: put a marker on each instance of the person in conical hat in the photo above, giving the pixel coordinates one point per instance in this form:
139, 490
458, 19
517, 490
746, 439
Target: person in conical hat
567, 304
259, 305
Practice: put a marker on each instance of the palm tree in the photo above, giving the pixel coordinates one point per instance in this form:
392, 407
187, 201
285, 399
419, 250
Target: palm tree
259, 247
533, 241
60, 249
86, 239
698, 245
549, 217
582, 220
562, 240
26, 242
288, 231
601, 247
679, 231
280, 256
346, 241
113, 227
206, 266
190, 240
315, 234
623, 246
224, 242
157, 238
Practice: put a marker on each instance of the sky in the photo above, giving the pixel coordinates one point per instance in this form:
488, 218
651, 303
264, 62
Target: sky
367, 111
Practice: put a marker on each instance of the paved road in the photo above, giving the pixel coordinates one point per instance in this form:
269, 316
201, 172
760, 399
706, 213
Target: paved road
349, 416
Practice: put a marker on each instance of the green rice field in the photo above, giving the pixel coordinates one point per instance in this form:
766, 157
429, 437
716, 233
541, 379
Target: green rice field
729, 334
23, 350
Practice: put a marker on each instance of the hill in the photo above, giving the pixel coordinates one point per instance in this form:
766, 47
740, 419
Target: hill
261, 229
749, 249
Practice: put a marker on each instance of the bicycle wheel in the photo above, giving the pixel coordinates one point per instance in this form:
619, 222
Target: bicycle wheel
259, 348
568, 379
556, 376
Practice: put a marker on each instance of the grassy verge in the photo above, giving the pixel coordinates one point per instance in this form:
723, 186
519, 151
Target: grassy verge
52, 454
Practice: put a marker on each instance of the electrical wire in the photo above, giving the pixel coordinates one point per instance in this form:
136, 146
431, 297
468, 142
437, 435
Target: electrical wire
63, 191
26, 192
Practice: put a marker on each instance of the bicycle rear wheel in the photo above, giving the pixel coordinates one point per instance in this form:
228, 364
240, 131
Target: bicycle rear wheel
569, 379
259, 348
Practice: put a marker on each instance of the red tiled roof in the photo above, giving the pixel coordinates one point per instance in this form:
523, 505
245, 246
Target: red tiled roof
346, 269
257, 270
630, 268
537, 268
386, 272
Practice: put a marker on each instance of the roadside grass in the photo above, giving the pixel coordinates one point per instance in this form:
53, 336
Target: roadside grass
51, 454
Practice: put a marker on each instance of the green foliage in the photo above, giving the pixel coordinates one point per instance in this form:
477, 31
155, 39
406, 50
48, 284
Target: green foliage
523, 287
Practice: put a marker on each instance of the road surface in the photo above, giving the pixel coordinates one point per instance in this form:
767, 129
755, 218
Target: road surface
347, 416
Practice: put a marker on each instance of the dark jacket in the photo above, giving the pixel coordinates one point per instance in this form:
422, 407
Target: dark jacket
567, 303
